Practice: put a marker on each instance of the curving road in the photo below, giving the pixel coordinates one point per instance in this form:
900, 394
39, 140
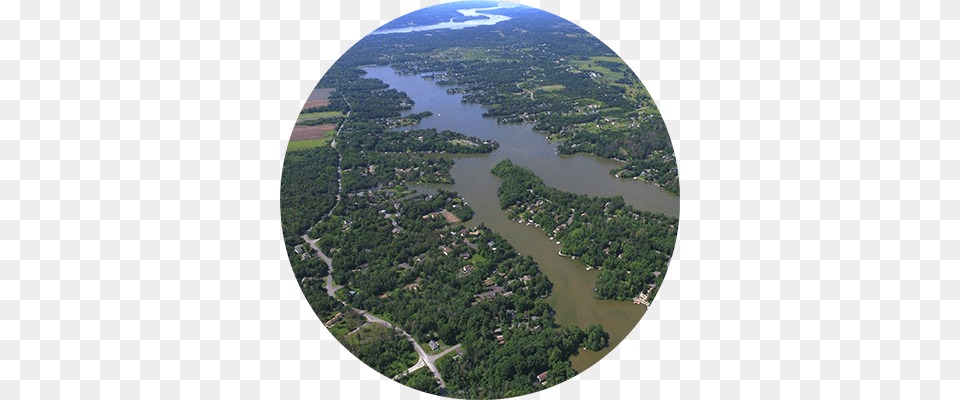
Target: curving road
424, 358
331, 290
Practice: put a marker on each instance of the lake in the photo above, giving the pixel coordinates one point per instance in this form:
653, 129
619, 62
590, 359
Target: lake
572, 298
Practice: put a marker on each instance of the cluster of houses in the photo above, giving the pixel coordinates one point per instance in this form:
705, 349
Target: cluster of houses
642, 298
303, 253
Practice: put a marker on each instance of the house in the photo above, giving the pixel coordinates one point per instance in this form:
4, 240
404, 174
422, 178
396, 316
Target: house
333, 320
499, 339
542, 378
298, 249
465, 256
434, 345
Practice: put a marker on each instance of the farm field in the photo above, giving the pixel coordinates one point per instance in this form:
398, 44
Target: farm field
305, 137
309, 144
325, 114
318, 98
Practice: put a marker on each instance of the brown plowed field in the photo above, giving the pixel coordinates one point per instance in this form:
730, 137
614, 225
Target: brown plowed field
303, 132
321, 93
318, 98
315, 103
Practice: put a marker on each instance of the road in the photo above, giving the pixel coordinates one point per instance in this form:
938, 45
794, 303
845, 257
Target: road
339, 157
331, 290
428, 360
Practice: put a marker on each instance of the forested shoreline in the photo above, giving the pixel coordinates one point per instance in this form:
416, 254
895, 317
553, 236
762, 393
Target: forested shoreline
631, 247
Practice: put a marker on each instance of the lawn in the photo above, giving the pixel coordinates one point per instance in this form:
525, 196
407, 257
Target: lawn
426, 348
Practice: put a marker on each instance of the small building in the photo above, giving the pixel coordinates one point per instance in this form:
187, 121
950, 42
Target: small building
434, 345
333, 320
542, 378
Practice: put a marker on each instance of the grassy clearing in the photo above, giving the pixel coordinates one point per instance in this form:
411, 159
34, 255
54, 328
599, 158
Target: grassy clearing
325, 114
309, 144
634, 91
349, 322
551, 88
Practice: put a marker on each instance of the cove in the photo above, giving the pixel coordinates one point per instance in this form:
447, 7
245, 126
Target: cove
572, 297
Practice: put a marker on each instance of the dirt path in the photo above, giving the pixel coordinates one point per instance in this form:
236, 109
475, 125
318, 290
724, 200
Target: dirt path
356, 330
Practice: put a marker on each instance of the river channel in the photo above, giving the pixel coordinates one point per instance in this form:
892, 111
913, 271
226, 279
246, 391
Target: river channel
573, 297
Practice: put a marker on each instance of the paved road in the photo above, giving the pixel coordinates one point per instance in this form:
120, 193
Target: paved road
416, 346
331, 290
436, 357
340, 162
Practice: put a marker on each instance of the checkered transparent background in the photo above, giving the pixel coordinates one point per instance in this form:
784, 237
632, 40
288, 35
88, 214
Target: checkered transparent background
140, 156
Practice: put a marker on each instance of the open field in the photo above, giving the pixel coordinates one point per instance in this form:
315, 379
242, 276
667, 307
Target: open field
318, 98
321, 94
309, 144
305, 137
550, 88
324, 114
315, 103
